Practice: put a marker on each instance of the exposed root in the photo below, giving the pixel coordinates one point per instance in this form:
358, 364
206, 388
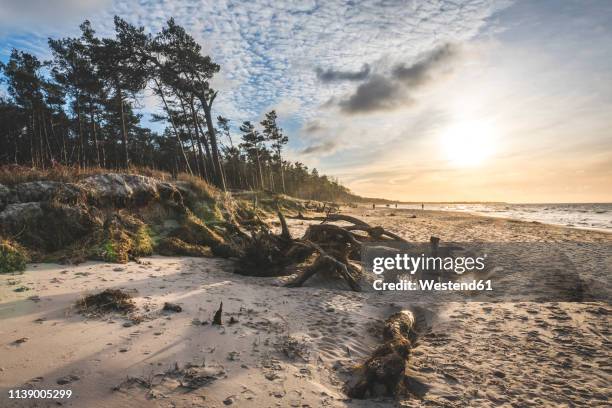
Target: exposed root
327, 247
384, 372
285, 234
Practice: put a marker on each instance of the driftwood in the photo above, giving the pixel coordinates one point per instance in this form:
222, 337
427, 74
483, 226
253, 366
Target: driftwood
348, 218
218, 317
327, 247
325, 261
301, 216
285, 234
384, 371
324, 208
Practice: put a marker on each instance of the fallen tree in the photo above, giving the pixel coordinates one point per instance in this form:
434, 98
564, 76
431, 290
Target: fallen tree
384, 372
325, 248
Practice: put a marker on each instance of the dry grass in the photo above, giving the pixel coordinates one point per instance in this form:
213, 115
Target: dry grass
11, 175
199, 185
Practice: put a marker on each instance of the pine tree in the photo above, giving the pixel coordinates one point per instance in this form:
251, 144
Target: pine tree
274, 134
252, 141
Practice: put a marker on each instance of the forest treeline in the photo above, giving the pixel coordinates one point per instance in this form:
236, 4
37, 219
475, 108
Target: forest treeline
79, 109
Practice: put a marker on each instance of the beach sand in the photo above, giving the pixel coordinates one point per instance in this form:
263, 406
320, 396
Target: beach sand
295, 347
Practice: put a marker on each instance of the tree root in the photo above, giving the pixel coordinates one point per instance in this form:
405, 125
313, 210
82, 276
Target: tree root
384, 372
325, 261
328, 248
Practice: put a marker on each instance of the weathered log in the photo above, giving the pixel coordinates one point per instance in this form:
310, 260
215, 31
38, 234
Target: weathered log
359, 225
301, 216
378, 233
285, 234
385, 369
319, 264
344, 217
318, 233
323, 262
266, 254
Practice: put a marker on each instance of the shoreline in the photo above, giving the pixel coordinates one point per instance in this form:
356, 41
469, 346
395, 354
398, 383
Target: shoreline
487, 215
596, 216
477, 214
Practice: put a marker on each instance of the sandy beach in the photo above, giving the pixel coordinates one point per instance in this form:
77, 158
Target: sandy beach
329, 204
296, 347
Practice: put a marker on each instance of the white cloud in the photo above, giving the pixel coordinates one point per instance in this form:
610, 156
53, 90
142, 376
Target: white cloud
269, 50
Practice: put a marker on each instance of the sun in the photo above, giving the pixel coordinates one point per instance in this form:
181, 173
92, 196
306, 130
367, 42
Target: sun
468, 144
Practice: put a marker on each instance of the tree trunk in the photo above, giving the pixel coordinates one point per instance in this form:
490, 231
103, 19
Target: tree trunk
31, 132
282, 171
103, 151
261, 179
41, 143
176, 133
190, 133
209, 159
43, 123
126, 155
81, 152
56, 141
94, 133
199, 136
207, 105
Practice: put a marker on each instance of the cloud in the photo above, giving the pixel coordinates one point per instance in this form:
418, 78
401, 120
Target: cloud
331, 75
381, 93
420, 73
267, 52
284, 108
313, 126
326, 147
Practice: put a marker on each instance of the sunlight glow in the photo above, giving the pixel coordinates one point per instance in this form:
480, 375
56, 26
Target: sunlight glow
468, 144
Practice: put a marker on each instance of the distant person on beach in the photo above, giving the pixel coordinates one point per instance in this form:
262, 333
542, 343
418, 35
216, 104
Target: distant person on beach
395, 205
422, 206
373, 206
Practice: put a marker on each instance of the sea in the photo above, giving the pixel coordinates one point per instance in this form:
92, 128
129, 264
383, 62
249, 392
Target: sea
597, 216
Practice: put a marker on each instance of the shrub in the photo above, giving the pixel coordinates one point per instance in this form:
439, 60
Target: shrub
143, 244
13, 257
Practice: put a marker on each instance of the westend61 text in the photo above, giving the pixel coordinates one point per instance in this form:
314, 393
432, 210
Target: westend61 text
432, 285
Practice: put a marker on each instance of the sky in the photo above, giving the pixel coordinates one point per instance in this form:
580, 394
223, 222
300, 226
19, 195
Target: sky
474, 100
